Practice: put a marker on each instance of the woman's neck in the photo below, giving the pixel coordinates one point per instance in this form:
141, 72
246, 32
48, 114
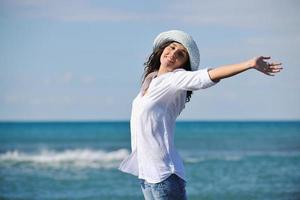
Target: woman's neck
162, 70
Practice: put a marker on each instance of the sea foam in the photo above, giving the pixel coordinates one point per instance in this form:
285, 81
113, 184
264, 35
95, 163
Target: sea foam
84, 158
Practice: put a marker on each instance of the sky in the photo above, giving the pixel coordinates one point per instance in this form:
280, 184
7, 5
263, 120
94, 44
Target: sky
83, 59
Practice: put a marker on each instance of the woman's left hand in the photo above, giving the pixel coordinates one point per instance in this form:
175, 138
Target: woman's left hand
269, 68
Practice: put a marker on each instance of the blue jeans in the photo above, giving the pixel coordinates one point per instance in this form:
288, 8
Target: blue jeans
173, 188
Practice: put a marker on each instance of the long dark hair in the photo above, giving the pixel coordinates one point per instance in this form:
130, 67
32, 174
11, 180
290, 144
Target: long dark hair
153, 64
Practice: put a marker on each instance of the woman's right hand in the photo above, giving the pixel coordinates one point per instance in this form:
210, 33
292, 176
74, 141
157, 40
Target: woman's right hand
261, 64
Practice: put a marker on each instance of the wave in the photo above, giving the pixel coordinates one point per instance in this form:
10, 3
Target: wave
83, 158
88, 158
235, 156
194, 159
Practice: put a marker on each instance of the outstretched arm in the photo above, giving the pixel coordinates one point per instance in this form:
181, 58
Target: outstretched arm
259, 63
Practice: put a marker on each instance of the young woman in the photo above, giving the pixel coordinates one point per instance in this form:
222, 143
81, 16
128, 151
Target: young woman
171, 74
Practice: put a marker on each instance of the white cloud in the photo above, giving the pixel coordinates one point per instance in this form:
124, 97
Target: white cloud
245, 14
87, 79
53, 100
67, 77
109, 100
11, 99
64, 10
265, 14
35, 100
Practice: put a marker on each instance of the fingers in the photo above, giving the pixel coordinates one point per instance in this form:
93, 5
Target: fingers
275, 67
271, 69
266, 57
268, 73
274, 64
276, 70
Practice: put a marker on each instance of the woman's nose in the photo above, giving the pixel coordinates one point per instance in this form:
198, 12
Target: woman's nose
173, 53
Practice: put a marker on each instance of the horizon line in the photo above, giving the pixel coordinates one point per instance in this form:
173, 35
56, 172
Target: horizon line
127, 120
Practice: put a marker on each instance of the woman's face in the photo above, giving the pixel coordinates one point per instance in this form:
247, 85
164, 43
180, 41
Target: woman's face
173, 56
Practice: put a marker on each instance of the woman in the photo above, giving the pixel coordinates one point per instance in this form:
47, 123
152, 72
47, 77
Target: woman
171, 74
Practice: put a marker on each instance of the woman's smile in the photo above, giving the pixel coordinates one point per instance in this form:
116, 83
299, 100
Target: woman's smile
170, 59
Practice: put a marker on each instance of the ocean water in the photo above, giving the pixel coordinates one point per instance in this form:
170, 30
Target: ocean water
79, 160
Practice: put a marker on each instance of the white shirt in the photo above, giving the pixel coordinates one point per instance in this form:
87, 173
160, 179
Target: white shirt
154, 157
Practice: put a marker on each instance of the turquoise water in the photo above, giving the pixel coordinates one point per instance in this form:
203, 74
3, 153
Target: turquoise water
223, 160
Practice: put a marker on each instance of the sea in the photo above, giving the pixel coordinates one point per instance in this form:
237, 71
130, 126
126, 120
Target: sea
224, 160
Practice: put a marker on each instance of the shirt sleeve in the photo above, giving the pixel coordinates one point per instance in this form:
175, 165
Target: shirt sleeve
192, 80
